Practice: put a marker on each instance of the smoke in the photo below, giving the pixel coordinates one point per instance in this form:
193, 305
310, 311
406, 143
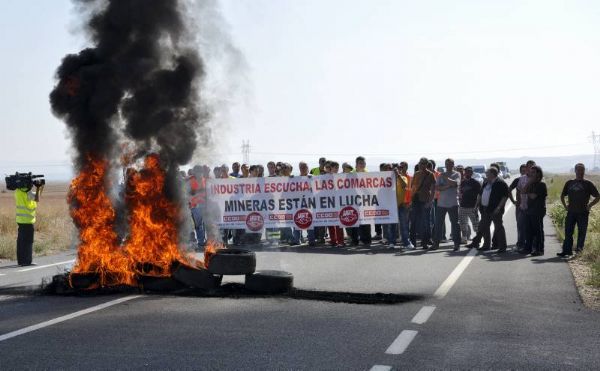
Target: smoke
139, 81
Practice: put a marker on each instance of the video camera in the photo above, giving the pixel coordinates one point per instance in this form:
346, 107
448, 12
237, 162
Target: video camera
23, 180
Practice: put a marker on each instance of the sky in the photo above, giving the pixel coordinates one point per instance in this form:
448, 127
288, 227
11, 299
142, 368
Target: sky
385, 79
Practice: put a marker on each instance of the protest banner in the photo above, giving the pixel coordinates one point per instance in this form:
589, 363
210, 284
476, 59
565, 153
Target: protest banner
345, 200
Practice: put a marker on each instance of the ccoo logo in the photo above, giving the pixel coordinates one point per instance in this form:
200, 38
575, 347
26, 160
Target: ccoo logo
348, 216
303, 218
255, 222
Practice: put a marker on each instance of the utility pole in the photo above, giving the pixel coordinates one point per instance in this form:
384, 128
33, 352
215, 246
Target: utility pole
596, 141
246, 151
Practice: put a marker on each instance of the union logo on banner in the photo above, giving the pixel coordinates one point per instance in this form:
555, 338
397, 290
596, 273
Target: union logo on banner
303, 218
348, 216
255, 222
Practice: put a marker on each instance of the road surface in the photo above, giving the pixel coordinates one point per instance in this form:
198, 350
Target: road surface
471, 310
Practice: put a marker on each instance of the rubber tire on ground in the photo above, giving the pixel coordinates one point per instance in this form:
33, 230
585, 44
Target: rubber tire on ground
159, 284
197, 278
232, 262
270, 282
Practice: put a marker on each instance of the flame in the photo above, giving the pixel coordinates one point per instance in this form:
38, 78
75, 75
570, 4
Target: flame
153, 240
209, 250
152, 245
94, 216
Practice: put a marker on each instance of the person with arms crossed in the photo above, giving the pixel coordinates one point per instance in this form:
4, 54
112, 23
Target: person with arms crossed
578, 191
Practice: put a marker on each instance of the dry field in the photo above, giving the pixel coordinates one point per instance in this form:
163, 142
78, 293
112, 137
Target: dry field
54, 230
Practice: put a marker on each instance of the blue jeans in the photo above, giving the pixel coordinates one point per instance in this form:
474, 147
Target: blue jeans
298, 233
403, 224
581, 219
199, 225
390, 231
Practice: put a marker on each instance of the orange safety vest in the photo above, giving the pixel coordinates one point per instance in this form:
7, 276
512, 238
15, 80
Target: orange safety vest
198, 191
408, 193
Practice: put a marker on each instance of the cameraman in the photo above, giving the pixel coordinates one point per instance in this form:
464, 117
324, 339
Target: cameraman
26, 203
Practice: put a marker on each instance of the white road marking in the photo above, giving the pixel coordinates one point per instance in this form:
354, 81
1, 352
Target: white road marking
66, 317
402, 342
442, 291
2, 274
380, 368
46, 266
423, 315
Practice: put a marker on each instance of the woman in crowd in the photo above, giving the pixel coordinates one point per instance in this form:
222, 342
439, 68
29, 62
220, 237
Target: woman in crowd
536, 209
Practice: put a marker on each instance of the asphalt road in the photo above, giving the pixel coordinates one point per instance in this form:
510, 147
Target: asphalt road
472, 310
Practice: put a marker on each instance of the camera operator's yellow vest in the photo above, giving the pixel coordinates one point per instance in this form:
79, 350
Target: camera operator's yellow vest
26, 207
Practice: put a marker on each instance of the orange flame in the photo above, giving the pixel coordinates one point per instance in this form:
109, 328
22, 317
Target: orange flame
209, 250
153, 240
152, 245
94, 216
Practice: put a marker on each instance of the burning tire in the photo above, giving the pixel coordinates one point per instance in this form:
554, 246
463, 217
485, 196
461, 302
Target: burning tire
270, 282
197, 278
232, 262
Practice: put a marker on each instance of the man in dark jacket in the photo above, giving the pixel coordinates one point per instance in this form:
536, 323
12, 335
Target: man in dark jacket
491, 201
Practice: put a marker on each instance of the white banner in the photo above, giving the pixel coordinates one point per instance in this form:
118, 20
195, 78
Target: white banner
345, 200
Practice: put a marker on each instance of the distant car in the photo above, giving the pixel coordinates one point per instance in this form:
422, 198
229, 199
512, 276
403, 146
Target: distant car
479, 169
478, 177
505, 172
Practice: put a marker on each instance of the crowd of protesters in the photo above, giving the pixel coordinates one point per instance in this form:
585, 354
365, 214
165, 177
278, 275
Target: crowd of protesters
424, 199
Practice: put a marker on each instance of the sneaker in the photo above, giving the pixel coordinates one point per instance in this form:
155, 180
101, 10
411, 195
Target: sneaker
456, 248
464, 241
391, 246
377, 237
410, 246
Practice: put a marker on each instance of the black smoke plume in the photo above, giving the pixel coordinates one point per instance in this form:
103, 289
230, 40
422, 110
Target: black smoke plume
140, 79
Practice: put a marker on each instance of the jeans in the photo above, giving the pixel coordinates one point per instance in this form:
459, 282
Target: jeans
297, 234
390, 231
403, 224
581, 219
199, 225
420, 221
24, 244
440, 220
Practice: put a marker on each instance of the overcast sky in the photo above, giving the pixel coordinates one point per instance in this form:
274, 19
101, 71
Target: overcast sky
398, 79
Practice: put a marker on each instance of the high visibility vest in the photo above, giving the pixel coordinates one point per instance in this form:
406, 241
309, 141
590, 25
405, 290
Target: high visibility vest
315, 171
198, 191
26, 206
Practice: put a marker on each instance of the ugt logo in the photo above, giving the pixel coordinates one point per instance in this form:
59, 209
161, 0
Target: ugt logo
348, 216
255, 222
303, 218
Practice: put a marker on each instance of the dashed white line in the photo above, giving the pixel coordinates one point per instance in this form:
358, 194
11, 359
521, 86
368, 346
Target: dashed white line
441, 292
423, 315
380, 368
402, 342
66, 317
46, 266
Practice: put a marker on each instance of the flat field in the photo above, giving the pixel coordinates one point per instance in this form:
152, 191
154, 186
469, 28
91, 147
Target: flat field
54, 230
